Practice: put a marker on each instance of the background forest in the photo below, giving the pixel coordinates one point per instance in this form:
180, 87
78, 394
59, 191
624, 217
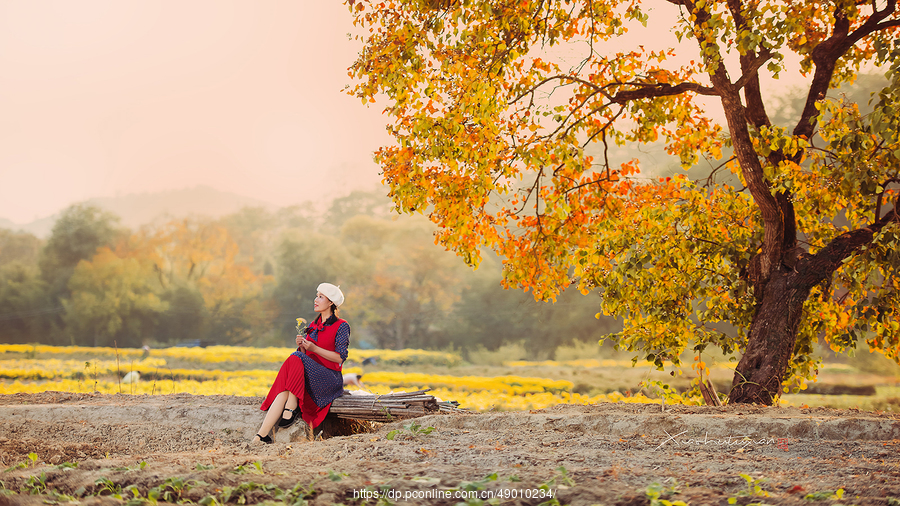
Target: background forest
245, 277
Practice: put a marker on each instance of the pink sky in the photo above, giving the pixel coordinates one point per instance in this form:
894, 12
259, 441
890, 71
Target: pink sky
103, 97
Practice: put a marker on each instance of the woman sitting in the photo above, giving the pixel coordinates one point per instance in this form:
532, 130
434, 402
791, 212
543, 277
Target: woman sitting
310, 379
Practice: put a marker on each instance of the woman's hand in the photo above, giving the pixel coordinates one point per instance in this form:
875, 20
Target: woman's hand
305, 344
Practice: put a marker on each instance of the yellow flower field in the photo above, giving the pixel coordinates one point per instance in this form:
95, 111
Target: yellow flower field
102, 373
592, 362
240, 354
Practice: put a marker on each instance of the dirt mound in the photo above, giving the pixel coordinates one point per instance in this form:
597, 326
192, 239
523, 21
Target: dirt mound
175, 447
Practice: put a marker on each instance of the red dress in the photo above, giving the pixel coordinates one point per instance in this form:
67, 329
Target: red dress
315, 381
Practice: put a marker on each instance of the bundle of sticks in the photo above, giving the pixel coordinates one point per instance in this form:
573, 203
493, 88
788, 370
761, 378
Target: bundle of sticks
390, 407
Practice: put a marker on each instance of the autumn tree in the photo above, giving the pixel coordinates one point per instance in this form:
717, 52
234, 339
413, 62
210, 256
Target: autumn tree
19, 247
302, 262
253, 230
76, 236
112, 301
211, 294
365, 203
404, 284
486, 316
504, 114
25, 307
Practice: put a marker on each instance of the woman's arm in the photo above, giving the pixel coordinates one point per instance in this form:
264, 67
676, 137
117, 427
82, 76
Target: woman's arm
341, 343
331, 356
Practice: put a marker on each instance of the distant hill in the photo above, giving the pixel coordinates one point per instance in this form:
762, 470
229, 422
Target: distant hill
40, 228
138, 209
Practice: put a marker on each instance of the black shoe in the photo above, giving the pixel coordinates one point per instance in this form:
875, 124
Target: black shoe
265, 439
287, 422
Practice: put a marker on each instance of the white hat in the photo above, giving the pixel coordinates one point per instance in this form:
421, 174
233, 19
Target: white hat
333, 293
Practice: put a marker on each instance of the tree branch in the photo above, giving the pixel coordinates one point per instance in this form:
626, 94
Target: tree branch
661, 90
751, 168
557, 77
829, 51
827, 260
750, 76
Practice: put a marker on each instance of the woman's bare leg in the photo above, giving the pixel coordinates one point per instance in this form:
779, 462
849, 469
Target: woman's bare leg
292, 402
274, 412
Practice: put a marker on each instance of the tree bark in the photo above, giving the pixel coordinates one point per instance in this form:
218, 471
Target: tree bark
773, 333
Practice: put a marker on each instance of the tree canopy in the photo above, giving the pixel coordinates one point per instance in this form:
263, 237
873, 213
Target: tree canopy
504, 114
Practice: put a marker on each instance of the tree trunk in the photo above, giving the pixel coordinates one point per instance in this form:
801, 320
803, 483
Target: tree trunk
773, 333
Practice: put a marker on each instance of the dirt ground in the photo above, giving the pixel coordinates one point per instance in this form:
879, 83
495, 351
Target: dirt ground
171, 448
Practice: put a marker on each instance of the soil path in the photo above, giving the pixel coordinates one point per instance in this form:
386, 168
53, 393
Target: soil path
602, 454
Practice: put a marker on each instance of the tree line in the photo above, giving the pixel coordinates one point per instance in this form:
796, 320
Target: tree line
244, 278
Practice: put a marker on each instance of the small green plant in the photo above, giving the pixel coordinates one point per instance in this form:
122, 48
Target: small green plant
23, 465
893, 501
333, 476
297, 495
67, 465
825, 494
238, 494
553, 501
204, 467
478, 484
105, 485
20, 465
171, 490
383, 496
136, 499
137, 467
36, 485
754, 488
252, 468
209, 500
563, 479
62, 498
418, 429
471, 486
414, 428
656, 491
